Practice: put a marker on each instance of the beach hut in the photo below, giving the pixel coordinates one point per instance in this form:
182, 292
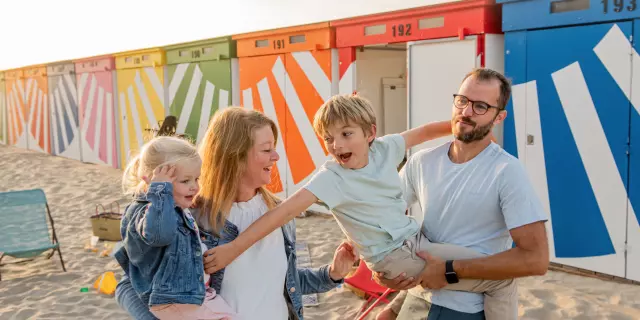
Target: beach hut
3, 112
36, 97
63, 107
16, 108
574, 123
200, 76
98, 119
288, 73
409, 63
140, 81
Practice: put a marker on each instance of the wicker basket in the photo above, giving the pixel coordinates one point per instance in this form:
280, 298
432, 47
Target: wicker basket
106, 224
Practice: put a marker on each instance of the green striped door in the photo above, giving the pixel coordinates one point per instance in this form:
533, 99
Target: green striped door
199, 83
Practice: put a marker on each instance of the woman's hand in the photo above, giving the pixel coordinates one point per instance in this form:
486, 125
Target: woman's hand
343, 261
219, 257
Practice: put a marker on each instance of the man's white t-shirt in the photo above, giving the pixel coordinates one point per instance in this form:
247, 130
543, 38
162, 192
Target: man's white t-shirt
472, 204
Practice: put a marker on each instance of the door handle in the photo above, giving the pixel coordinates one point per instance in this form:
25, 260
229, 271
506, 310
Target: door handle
530, 139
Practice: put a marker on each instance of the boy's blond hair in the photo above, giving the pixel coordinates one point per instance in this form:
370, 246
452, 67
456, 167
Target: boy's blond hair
344, 109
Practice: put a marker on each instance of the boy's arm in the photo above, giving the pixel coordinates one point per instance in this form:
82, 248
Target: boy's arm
426, 132
219, 257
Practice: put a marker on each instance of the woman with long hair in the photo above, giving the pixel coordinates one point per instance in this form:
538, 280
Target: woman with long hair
238, 155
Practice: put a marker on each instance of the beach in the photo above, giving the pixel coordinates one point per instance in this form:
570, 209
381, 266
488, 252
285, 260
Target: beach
39, 289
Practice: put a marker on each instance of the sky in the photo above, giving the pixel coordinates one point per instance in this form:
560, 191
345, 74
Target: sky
43, 31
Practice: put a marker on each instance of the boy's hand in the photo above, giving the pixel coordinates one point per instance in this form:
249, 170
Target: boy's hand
164, 173
219, 257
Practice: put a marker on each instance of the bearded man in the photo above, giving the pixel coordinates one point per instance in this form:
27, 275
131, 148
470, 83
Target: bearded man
474, 194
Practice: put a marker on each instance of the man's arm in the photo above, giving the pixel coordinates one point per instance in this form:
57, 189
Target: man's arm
530, 257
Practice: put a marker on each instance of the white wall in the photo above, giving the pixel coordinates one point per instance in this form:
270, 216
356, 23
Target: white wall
373, 65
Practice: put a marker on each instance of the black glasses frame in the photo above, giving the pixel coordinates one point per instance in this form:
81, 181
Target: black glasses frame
473, 104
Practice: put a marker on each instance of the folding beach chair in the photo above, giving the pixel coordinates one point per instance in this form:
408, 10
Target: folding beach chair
24, 232
362, 280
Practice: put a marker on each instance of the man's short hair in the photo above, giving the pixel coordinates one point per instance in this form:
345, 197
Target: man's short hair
485, 74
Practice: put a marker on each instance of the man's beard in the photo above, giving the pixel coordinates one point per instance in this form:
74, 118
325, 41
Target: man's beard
478, 133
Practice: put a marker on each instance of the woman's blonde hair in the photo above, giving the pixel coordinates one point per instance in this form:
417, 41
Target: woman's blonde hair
158, 151
224, 151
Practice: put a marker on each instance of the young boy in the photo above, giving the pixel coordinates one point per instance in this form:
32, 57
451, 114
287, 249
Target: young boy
362, 188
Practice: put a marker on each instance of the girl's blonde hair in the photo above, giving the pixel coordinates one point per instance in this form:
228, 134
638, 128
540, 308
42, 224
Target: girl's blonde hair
158, 151
224, 151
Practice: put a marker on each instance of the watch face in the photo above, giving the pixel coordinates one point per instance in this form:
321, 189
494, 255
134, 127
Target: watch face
451, 277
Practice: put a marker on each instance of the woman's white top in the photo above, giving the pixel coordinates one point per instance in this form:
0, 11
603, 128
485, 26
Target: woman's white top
253, 284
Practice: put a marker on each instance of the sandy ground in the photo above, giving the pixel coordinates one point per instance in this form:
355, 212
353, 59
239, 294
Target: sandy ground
39, 289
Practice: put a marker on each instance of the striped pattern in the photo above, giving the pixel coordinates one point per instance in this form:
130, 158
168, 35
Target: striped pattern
141, 104
16, 113
3, 115
97, 118
63, 102
290, 88
196, 92
36, 102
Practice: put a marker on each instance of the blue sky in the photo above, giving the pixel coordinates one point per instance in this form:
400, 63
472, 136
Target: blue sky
41, 31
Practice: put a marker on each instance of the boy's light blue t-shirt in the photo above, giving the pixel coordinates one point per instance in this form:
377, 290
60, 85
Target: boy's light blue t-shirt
472, 204
368, 202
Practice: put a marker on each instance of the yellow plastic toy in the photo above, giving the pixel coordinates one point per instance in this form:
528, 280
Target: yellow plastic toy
106, 283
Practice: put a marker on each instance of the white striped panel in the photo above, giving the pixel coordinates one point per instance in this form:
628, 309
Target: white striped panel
3, 117
54, 126
125, 127
25, 94
46, 123
135, 117
347, 85
270, 111
67, 107
89, 108
146, 104
82, 83
31, 97
314, 73
97, 138
526, 113
176, 80
613, 51
299, 115
598, 161
247, 98
223, 99
109, 138
187, 107
71, 86
156, 84
11, 120
39, 113
206, 110
61, 125
20, 109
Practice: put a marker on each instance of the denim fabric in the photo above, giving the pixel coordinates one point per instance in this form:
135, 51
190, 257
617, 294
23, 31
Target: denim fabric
297, 282
161, 252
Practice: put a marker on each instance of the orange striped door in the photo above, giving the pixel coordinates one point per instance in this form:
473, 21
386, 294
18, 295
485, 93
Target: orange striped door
261, 91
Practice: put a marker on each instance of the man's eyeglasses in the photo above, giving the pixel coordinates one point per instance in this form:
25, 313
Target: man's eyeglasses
478, 107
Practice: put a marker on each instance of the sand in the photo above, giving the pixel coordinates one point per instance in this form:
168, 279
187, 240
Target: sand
39, 289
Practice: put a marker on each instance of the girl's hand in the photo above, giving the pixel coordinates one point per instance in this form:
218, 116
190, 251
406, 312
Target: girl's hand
343, 261
164, 173
219, 257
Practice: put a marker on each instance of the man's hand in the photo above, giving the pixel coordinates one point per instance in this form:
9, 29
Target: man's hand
399, 283
432, 276
219, 257
343, 261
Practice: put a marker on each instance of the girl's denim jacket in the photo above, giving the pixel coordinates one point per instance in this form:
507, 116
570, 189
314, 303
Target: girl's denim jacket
162, 258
